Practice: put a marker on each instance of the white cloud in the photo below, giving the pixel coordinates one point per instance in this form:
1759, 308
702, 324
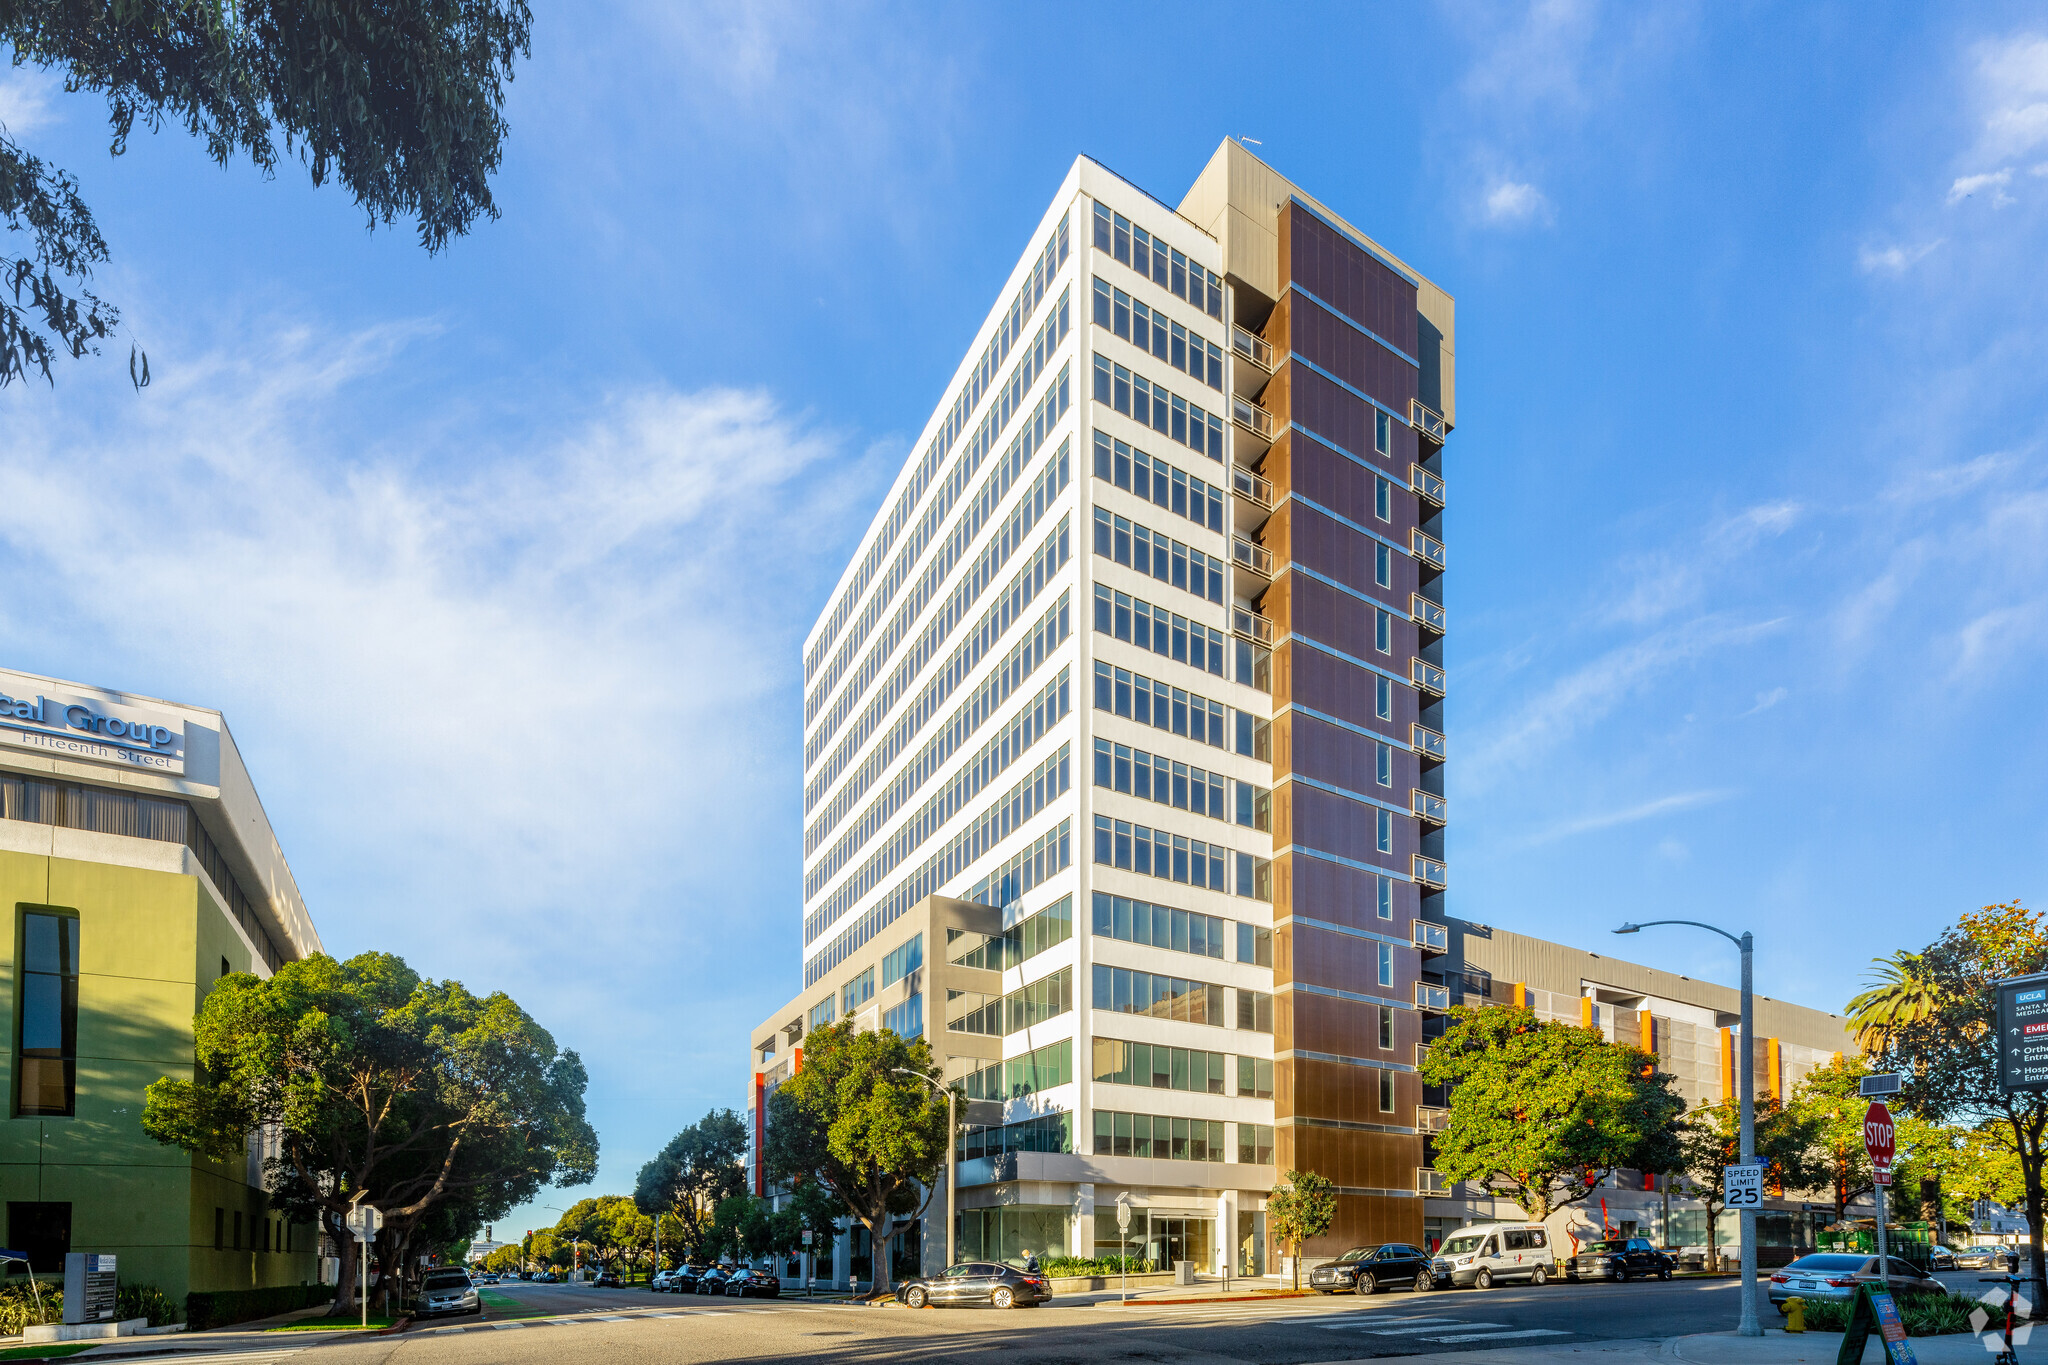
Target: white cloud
25, 95
1967, 186
1894, 260
1627, 815
1766, 700
1513, 201
2013, 81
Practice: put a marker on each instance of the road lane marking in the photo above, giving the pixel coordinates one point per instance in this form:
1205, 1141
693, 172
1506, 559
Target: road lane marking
1433, 1327
1351, 1323
1499, 1336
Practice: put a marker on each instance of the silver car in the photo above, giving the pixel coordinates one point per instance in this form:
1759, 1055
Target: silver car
449, 1291
1836, 1275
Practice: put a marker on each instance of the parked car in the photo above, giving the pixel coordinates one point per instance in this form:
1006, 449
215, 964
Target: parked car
607, 1279
748, 1283
1367, 1270
1487, 1254
977, 1282
448, 1290
1620, 1258
1941, 1257
712, 1281
1987, 1256
1836, 1274
683, 1279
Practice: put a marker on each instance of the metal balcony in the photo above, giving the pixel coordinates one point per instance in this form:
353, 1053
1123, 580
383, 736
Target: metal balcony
1426, 420
1429, 615
1427, 676
1250, 555
1427, 871
1428, 1181
1431, 808
1251, 625
1252, 347
1428, 743
1432, 938
1430, 1119
1435, 999
1427, 486
1252, 488
1252, 418
1427, 548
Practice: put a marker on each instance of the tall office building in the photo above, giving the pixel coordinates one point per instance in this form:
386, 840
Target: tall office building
1123, 736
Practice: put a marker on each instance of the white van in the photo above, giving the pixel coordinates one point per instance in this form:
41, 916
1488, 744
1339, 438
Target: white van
1487, 1254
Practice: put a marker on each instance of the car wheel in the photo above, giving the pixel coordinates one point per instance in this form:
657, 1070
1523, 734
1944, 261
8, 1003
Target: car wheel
916, 1298
1366, 1284
1621, 1277
1483, 1280
1003, 1297
1665, 1273
1538, 1276
1423, 1283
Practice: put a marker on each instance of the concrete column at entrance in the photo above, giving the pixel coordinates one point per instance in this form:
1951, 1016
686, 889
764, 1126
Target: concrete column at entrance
1226, 1232
842, 1251
1081, 1227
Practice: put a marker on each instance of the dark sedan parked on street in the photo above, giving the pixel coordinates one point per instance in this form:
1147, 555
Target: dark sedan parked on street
977, 1282
712, 1281
1367, 1270
1620, 1258
746, 1283
683, 1280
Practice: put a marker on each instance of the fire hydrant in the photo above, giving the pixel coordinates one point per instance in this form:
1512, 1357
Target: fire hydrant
1795, 1315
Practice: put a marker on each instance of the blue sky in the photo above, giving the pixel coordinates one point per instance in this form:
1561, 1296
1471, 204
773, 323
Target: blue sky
499, 562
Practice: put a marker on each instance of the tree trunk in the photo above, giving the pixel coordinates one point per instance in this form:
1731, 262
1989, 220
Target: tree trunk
345, 1280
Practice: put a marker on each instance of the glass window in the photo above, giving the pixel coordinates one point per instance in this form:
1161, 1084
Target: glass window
48, 1042
1386, 1092
1386, 964
1383, 697
1382, 433
858, 992
904, 960
1382, 497
42, 1233
1383, 565
1386, 1014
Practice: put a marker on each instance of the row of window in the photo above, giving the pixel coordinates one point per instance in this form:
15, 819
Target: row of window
901, 961
1158, 335
906, 1019
1005, 678
1156, 629
1031, 724
858, 991
1052, 555
1051, 854
1002, 1015
1016, 1077
823, 1013
1151, 702
1017, 944
1158, 556
1160, 926
1254, 1011
1158, 482
1159, 1067
1030, 508
1153, 405
1154, 777
1254, 1078
1050, 259
1046, 1133
1157, 1136
1156, 853
1158, 262
1119, 990
973, 517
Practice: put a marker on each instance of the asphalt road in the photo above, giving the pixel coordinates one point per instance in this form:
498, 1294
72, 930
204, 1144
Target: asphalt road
631, 1327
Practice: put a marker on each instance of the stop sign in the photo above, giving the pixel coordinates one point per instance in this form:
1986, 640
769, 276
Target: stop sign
1877, 1135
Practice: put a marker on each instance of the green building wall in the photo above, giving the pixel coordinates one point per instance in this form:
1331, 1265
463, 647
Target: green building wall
151, 945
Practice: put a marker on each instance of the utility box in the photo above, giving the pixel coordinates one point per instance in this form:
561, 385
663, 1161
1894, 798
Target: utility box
89, 1287
1183, 1272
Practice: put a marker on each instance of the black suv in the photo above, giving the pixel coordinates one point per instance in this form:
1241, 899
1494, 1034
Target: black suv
1620, 1258
1367, 1270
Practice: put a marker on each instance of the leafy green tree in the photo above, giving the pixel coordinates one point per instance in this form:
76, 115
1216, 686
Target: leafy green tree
742, 1227
1304, 1206
442, 1108
611, 1231
1542, 1112
504, 1260
810, 1208
700, 1166
867, 1133
1710, 1141
399, 100
1902, 994
1950, 1055
1988, 1168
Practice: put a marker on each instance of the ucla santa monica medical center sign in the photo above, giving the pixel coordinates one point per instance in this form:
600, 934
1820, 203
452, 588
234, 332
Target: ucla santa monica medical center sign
79, 725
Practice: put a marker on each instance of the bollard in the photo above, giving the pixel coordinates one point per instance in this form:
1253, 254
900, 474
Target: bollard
1795, 1315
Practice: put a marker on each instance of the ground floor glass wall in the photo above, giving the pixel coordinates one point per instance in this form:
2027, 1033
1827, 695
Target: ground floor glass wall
1012, 1233
1157, 1238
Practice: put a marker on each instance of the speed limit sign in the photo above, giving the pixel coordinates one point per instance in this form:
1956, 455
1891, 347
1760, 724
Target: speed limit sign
1742, 1187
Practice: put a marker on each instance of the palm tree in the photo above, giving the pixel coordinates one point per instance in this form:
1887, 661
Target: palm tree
1902, 995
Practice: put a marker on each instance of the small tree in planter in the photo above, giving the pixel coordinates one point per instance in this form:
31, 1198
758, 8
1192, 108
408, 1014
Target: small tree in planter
1302, 1208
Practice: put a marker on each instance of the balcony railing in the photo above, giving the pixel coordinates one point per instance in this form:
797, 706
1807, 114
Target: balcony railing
1427, 486
1428, 871
1252, 488
1426, 420
1252, 347
1427, 548
1429, 1182
1432, 938
1431, 808
1435, 998
1428, 742
1421, 1055
1252, 417
1427, 676
1251, 625
1430, 1119
1429, 615
1252, 556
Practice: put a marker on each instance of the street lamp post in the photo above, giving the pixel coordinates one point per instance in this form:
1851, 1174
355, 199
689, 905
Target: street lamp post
952, 1150
1748, 1326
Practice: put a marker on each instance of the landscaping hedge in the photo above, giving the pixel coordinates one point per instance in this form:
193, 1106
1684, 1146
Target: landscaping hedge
226, 1306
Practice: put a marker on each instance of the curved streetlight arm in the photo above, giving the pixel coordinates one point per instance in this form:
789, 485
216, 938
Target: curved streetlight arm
1742, 942
952, 1149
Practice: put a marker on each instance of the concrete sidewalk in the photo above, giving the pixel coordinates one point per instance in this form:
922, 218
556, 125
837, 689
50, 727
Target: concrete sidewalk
1725, 1348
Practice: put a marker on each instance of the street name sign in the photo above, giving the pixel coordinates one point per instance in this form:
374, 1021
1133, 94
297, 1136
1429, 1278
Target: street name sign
1880, 1140
1742, 1187
2023, 1033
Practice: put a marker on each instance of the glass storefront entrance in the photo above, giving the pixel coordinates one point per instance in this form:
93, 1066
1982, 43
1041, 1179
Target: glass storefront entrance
1158, 1238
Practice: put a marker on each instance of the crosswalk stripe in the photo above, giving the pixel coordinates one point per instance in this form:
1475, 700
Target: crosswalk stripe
507, 1326
1499, 1336
1352, 1324
1434, 1327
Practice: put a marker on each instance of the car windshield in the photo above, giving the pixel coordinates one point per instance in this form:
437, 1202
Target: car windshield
1608, 1246
1460, 1246
446, 1279
1357, 1254
1829, 1263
